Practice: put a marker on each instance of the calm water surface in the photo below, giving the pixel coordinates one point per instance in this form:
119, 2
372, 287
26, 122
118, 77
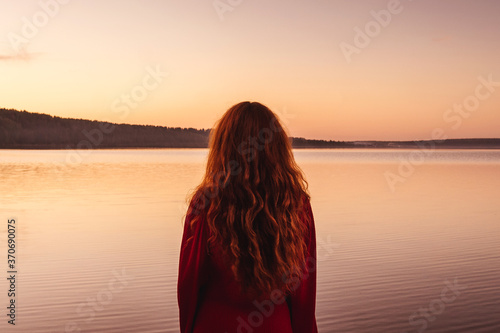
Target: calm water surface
98, 239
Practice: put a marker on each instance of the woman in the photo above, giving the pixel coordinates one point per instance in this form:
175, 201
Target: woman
248, 253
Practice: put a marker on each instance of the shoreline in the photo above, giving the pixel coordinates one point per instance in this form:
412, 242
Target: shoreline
298, 148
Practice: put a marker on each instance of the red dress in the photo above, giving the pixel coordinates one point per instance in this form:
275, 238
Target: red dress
209, 297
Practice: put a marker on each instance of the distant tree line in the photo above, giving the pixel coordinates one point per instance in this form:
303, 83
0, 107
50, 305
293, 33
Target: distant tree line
22, 129
307, 143
27, 130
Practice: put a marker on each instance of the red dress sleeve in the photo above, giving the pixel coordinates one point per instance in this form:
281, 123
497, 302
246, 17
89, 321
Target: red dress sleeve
192, 271
302, 303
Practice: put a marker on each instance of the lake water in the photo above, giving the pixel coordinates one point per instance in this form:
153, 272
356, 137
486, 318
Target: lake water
407, 242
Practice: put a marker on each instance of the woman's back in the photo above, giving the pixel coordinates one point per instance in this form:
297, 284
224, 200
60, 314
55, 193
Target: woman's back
248, 254
218, 303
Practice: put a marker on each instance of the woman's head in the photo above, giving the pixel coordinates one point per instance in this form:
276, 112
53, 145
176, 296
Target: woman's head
250, 134
252, 194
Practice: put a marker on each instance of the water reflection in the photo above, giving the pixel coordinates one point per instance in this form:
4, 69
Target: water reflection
383, 255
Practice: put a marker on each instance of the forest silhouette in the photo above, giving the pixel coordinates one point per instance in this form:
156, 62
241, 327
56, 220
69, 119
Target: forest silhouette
28, 130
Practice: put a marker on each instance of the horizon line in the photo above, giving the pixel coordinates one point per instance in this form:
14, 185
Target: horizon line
296, 137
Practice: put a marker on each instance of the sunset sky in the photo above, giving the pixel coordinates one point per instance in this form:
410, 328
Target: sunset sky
332, 69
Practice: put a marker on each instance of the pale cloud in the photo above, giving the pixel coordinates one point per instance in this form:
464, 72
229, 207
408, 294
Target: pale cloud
23, 55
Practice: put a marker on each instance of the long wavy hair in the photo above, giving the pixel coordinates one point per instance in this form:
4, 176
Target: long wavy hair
252, 195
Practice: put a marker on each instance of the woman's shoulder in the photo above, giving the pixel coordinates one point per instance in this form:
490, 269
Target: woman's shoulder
306, 211
195, 218
306, 204
197, 204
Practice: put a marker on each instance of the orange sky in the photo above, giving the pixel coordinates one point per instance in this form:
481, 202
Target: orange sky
337, 69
